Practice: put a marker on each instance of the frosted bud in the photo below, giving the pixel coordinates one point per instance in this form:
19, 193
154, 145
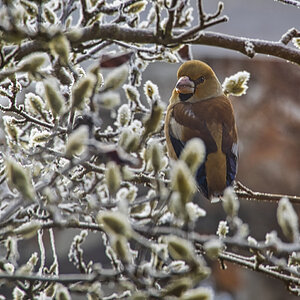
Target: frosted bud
152, 122
32, 62
194, 211
193, 154
62, 293
34, 103
288, 219
236, 84
9, 268
60, 46
114, 223
230, 202
81, 90
129, 140
30, 7
178, 287
151, 91
54, 98
50, 16
124, 115
110, 100
201, 293
213, 248
294, 259
120, 246
11, 128
112, 177
77, 141
180, 249
28, 230
272, 238
20, 179
182, 181
223, 229
116, 78
132, 93
38, 137
252, 241
136, 7
29, 266
50, 290
296, 42
18, 294
156, 156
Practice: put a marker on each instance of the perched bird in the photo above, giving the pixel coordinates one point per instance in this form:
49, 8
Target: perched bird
199, 108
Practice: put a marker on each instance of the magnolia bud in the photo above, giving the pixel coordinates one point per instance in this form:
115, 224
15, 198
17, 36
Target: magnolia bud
116, 78
60, 46
114, 223
213, 248
19, 178
152, 122
151, 91
230, 202
110, 100
201, 293
112, 177
77, 141
124, 115
120, 246
178, 287
62, 293
54, 98
132, 93
193, 154
236, 84
32, 62
136, 7
156, 156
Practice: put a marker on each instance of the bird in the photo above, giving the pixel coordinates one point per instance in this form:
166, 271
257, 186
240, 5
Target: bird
198, 108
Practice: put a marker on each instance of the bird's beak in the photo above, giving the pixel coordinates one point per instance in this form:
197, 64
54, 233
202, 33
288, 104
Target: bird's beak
185, 85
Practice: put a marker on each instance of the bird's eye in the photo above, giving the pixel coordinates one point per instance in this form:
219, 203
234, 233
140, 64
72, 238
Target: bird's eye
199, 80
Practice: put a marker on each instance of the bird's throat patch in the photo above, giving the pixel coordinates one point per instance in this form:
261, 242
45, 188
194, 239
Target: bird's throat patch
184, 97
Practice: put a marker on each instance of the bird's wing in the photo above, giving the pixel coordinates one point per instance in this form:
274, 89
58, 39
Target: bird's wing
211, 120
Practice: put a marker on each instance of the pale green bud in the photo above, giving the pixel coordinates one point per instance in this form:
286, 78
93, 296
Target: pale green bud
60, 46
121, 247
151, 91
132, 93
50, 290
288, 219
183, 181
54, 98
32, 62
29, 7
20, 179
110, 100
124, 115
201, 293
83, 89
18, 294
28, 230
116, 78
180, 249
114, 223
11, 128
129, 140
113, 177
39, 137
62, 293
152, 122
77, 141
34, 103
193, 154
156, 156
230, 202
177, 287
213, 248
136, 7
50, 16
236, 84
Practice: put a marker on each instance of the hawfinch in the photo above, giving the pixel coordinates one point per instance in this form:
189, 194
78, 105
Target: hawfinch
199, 108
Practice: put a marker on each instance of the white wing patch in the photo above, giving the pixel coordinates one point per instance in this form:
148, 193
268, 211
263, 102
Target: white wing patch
176, 129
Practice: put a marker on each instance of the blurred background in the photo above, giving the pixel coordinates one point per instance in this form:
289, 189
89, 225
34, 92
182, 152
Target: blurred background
268, 121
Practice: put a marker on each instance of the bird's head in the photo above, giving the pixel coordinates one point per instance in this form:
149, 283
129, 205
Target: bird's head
197, 81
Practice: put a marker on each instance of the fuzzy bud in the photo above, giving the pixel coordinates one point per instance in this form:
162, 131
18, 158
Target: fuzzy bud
213, 248
151, 91
28, 230
110, 100
156, 156
62, 293
32, 62
60, 46
223, 229
20, 179
121, 247
50, 16
83, 89
54, 98
124, 115
129, 140
132, 93
34, 103
236, 84
193, 154
77, 141
116, 78
230, 202
180, 249
114, 223
182, 181
194, 211
152, 122
30, 7
201, 293
288, 219
136, 7
11, 128
113, 177
178, 287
